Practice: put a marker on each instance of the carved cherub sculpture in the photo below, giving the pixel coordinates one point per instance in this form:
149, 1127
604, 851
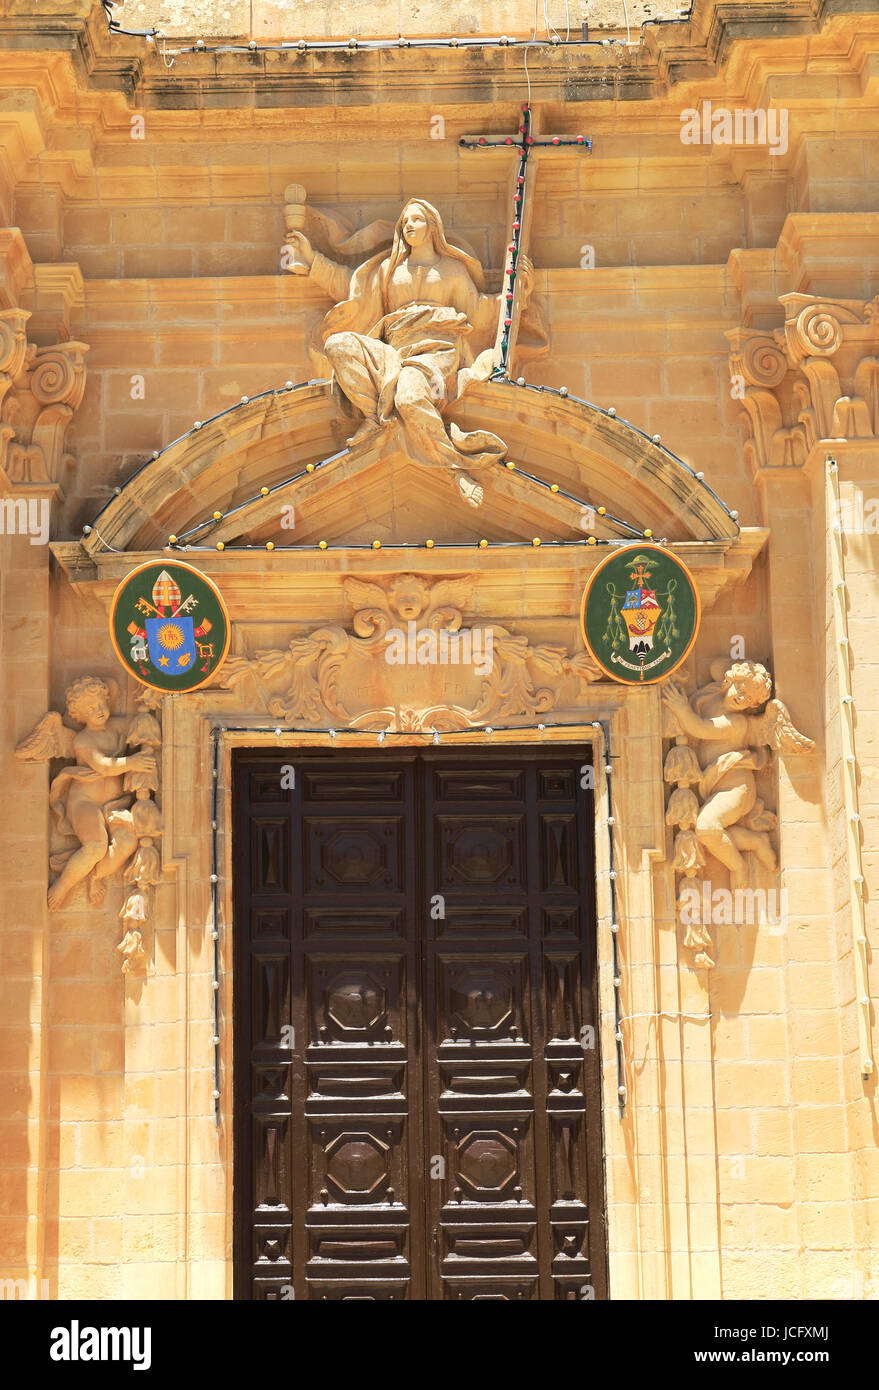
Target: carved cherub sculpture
403, 338
88, 799
410, 597
734, 725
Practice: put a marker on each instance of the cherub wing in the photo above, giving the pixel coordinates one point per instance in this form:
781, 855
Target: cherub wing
550, 659
582, 665
50, 739
449, 593
362, 595
775, 728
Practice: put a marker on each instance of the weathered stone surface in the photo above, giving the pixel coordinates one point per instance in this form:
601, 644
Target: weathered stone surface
286, 19
682, 286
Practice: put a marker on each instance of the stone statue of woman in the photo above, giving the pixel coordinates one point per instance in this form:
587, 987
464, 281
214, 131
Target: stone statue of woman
397, 338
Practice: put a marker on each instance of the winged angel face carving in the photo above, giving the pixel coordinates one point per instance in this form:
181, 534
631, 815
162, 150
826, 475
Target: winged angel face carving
311, 666
411, 598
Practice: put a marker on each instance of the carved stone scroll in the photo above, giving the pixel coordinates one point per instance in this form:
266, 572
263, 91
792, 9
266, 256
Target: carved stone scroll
816, 378
414, 622
40, 388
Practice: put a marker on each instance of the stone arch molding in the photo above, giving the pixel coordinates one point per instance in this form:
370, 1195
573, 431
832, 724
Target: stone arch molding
309, 645
312, 628
291, 442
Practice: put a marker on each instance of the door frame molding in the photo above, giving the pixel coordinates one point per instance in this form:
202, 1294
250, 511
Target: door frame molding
660, 1157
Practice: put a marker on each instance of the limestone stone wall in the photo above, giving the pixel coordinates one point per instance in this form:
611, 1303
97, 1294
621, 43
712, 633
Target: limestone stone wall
285, 19
149, 207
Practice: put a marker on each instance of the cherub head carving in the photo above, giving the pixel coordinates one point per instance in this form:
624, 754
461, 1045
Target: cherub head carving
408, 595
88, 702
745, 685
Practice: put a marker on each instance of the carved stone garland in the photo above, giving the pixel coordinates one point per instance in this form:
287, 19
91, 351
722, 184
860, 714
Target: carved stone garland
311, 667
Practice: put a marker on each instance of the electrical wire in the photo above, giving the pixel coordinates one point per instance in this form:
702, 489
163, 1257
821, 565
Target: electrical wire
433, 735
521, 384
527, 74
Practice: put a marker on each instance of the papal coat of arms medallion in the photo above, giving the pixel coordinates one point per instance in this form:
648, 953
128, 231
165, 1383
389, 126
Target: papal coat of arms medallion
640, 614
169, 626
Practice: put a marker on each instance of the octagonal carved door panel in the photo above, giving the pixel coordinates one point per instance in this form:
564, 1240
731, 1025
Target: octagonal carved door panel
416, 1114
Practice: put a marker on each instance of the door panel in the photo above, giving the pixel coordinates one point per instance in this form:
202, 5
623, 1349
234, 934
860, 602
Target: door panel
505, 1063
424, 924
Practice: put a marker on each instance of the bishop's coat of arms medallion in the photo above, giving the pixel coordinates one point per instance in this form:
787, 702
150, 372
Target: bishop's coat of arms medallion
640, 614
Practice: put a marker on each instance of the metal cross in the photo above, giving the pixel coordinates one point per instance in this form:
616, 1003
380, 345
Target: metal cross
527, 146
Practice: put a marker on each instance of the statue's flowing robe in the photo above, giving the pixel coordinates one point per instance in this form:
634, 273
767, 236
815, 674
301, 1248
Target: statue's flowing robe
370, 348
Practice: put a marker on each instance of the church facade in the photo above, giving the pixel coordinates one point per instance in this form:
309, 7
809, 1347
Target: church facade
440, 498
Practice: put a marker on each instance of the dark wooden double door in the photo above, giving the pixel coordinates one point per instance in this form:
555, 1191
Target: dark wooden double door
417, 1077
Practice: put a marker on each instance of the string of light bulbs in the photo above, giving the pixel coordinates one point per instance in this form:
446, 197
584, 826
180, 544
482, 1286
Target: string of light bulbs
857, 880
186, 540
215, 918
553, 40
433, 737
525, 145
180, 541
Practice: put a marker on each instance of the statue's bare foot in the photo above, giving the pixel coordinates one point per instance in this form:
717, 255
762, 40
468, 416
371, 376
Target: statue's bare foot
766, 855
97, 890
54, 898
738, 880
470, 491
365, 430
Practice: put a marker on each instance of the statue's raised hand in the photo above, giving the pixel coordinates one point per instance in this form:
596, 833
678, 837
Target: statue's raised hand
673, 696
298, 254
525, 276
140, 762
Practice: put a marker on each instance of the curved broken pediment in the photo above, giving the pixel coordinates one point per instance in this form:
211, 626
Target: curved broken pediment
286, 450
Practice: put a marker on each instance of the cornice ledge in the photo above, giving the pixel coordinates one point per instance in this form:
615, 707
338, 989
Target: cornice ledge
720, 23
76, 563
698, 49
